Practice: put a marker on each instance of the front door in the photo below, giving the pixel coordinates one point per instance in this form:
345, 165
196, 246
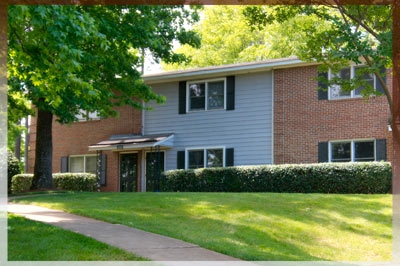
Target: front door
154, 168
128, 172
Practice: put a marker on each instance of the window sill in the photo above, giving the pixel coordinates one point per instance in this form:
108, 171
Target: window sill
204, 111
359, 98
86, 121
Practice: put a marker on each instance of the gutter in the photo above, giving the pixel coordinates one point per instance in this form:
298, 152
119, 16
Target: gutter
232, 69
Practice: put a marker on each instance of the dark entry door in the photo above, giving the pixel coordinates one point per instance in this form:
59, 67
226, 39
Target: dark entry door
154, 167
128, 172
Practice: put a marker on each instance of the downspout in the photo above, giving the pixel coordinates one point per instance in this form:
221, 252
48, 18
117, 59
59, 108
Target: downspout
143, 117
27, 139
143, 160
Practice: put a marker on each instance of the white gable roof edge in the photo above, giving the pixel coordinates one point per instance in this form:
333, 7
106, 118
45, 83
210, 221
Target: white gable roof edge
232, 69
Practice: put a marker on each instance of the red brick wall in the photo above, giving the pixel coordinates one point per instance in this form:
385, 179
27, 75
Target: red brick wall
301, 120
74, 139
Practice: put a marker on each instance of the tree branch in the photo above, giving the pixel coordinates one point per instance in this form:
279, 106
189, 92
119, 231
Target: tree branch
383, 84
344, 13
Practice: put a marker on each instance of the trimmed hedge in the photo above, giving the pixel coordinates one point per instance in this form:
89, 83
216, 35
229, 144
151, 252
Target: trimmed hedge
21, 183
75, 181
13, 168
64, 181
343, 178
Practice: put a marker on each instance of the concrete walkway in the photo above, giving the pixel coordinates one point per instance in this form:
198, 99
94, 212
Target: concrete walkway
152, 246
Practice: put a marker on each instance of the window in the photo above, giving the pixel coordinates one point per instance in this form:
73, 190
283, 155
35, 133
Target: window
352, 151
367, 77
83, 164
206, 95
205, 158
87, 116
346, 74
196, 159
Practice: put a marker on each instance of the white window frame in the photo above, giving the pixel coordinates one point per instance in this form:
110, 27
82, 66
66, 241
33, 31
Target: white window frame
84, 161
204, 149
352, 147
352, 95
205, 81
90, 116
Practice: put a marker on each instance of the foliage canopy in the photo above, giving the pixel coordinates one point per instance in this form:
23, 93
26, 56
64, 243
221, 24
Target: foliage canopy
75, 60
65, 59
356, 33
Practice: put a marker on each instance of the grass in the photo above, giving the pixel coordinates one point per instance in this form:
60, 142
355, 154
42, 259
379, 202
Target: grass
250, 226
34, 241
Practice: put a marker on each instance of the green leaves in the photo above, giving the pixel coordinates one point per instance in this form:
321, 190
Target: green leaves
335, 35
68, 58
249, 33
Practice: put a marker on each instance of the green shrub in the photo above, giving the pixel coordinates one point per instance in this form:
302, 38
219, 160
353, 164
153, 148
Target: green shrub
75, 181
13, 168
344, 178
64, 181
21, 183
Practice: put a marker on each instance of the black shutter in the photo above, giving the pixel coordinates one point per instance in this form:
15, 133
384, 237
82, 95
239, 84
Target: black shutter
229, 157
322, 86
182, 97
103, 169
230, 93
64, 164
381, 149
323, 152
180, 160
378, 85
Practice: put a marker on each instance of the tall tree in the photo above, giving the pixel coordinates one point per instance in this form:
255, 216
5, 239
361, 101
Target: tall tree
227, 38
356, 33
367, 34
70, 60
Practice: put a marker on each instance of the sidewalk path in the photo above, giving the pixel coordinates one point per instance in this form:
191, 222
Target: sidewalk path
152, 246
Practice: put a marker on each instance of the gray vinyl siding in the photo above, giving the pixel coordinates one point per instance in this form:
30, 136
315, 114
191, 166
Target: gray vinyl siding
247, 129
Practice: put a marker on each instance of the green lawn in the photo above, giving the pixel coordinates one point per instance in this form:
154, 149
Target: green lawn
250, 226
34, 241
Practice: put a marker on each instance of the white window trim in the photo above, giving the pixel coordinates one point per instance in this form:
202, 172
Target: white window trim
352, 93
206, 81
80, 156
92, 116
352, 145
187, 150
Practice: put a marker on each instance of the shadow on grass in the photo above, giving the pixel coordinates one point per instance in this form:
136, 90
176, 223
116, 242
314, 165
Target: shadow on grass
250, 226
35, 241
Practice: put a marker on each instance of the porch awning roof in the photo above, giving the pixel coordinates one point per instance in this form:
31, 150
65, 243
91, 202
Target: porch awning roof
133, 142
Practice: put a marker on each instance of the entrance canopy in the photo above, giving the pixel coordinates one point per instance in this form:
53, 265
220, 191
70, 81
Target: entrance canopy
133, 142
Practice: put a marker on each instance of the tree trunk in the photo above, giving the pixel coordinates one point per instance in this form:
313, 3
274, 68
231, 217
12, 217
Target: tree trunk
43, 177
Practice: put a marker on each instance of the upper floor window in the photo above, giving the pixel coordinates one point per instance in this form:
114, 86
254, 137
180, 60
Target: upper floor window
346, 74
206, 95
87, 116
